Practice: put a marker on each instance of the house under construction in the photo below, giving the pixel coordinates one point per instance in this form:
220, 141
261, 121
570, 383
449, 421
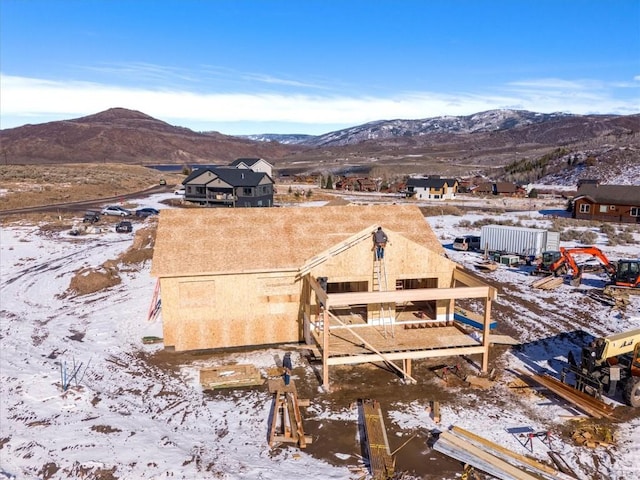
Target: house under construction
249, 277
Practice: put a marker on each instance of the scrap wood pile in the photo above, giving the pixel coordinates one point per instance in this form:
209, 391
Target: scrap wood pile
593, 436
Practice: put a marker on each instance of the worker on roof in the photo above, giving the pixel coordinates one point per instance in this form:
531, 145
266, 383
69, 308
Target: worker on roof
380, 240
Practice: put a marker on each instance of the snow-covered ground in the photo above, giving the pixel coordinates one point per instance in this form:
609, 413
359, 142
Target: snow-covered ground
125, 417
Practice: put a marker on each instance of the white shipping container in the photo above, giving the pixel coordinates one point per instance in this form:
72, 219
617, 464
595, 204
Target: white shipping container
522, 241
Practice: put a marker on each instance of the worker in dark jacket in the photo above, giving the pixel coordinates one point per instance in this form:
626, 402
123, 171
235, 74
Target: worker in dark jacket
380, 240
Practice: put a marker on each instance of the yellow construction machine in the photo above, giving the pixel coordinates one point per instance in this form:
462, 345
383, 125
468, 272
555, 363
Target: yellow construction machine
606, 364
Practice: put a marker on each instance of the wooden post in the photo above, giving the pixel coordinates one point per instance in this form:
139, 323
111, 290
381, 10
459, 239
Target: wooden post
325, 348
485, 334
406, 365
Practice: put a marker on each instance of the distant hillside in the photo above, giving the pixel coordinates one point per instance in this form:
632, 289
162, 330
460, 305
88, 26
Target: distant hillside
119, 135
500, 144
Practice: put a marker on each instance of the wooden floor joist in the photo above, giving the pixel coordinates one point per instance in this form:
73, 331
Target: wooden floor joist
380, 460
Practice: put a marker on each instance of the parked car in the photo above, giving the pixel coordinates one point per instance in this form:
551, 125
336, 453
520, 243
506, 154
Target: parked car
179, 190
91, 216
146, 212
115, 210
124, 227
469, 242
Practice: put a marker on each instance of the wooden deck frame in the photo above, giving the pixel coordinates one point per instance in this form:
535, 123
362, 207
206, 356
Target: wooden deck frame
324, 302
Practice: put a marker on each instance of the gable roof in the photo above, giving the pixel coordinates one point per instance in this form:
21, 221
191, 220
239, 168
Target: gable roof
232, 176
431, 182
618, 194
228, 240
247, 161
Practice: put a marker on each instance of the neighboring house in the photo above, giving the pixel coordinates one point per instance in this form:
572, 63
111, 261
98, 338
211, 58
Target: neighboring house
254, 164
607, 203
356, 184
228, 187
435, 188
504, 189
251, 277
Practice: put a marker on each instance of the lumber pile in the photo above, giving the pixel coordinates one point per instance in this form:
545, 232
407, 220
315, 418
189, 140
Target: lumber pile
548, 283
381, 461
586, 403
490, 457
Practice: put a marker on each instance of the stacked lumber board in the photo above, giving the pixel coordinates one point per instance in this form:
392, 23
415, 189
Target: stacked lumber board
548, 283
492, 458
380, 459
586, 403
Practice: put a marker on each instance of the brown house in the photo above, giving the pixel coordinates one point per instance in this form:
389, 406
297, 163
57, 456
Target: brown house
607, 203
250, 277
504, 189
356, 184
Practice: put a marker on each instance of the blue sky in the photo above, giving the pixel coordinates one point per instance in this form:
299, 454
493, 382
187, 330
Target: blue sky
314, 66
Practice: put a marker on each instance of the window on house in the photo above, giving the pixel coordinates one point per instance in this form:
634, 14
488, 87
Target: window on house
247, 191
585, 208
635, 211
604, 208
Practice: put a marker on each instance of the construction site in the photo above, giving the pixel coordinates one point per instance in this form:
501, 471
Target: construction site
349, 298
288, 342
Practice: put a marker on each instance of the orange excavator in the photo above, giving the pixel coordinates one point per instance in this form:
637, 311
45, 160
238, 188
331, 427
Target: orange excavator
560, 262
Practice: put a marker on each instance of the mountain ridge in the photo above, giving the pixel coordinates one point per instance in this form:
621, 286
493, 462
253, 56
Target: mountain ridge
484, 143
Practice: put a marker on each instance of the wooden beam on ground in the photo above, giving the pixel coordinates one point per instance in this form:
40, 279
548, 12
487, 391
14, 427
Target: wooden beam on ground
373, 349
588, 404
380, 460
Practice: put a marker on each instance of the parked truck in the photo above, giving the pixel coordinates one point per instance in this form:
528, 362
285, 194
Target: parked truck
527, 243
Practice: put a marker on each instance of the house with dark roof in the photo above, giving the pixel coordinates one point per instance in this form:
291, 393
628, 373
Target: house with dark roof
607, 203
254, 164
228, 187
432, 188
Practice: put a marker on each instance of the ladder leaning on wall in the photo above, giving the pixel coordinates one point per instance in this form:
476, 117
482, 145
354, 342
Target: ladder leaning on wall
380, 285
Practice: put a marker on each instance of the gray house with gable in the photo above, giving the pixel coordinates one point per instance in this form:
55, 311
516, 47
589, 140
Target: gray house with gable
229, 187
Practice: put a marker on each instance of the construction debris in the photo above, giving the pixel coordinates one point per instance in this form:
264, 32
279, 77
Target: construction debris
593, 436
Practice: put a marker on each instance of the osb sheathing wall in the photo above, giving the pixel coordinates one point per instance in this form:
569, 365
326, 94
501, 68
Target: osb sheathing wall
228, 275
230, 310
403, 259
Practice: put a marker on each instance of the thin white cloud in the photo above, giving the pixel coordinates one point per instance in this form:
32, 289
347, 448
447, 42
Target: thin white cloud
28, 100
